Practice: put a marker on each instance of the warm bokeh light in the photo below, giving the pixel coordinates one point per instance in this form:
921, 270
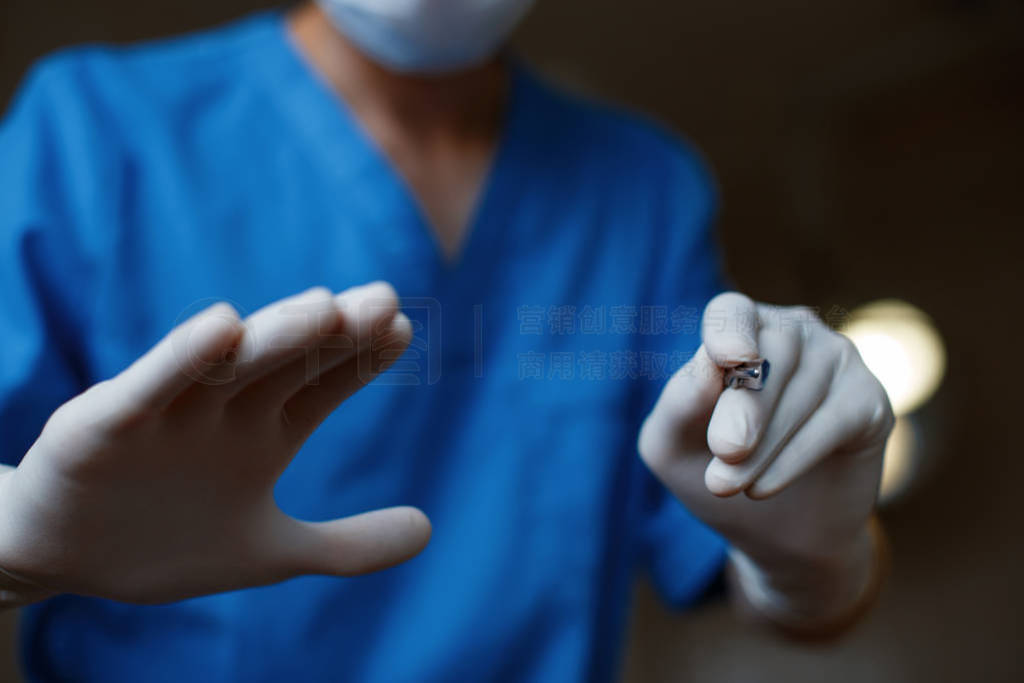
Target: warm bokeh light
900, 463
900, 344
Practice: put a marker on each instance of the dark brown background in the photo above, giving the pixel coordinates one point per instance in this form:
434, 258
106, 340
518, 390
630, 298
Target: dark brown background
866, 149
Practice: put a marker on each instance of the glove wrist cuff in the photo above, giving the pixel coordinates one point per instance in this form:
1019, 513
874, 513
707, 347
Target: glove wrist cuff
814, 602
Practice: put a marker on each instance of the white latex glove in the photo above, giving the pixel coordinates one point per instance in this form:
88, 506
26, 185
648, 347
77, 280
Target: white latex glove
158, 484
806, 450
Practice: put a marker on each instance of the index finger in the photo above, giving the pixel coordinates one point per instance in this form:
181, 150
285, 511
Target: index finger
730, 329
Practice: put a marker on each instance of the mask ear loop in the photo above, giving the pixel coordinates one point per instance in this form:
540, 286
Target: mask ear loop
751, 375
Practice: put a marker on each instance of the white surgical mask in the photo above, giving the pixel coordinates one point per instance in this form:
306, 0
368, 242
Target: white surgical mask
426, 36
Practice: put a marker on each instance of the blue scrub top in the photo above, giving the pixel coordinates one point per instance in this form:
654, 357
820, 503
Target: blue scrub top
140, 184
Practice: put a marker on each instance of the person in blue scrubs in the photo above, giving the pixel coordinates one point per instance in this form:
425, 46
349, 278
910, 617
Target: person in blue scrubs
187, 230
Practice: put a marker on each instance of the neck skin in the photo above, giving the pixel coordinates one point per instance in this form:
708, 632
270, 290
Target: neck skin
439, 132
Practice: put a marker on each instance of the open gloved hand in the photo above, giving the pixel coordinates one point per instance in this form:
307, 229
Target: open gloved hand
806, 450
157, 485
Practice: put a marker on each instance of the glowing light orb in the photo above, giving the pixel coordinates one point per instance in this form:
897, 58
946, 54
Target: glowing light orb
900, 345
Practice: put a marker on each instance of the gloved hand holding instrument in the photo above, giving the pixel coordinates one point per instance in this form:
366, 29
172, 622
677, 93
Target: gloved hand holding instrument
803, 442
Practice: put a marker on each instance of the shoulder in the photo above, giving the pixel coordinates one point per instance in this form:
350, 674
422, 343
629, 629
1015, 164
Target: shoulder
120, 88
622, 145
641, 183
85, 119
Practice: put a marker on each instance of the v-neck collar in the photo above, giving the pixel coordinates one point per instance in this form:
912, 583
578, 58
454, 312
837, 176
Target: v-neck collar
331, 125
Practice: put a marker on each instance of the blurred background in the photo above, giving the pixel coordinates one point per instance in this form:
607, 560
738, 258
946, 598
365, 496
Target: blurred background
866, 150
